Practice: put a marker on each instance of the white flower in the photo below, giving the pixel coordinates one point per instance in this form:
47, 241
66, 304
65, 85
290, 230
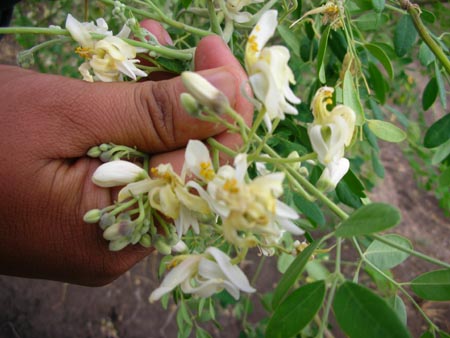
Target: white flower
109, 58
249, 209
332, 174
331, 131
204, 275
168, 194
234, 8
116, 173
197, 161
204, 92
268, 70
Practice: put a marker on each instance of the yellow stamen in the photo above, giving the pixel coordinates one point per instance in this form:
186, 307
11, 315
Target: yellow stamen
253, 44
84, 52
206, 171
231, 186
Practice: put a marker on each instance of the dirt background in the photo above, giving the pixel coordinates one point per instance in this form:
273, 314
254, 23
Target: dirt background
46, 309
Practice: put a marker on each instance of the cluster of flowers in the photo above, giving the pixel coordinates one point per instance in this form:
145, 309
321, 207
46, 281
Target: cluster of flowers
206, 199
247, 211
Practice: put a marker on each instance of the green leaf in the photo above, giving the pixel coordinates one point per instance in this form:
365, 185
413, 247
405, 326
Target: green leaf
311, 210
444, 178
386, 131
292, 274
427, 334
361, 313
351, 98
292, 41
346, 196
174, 66
429, 94
321, 54
368, 219
371, 21
399, 307
433, 285
296, 311
377, 165
438, 133
377, 83
378, 5
201, 333
404, 36
426, 56
385, 257
441, 153
441, 85
381, 56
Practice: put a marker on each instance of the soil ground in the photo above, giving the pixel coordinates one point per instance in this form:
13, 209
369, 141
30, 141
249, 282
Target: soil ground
45, 309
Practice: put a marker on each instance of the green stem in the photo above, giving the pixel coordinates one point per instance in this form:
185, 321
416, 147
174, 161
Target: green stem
163, 51
215, 25
165, 19
411, 299
411, 251
123, 207
143, 13
414, 12
337, 273
216, 144
311, 156
34, 30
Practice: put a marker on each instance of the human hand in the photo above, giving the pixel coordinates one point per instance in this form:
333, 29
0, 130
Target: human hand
48, 124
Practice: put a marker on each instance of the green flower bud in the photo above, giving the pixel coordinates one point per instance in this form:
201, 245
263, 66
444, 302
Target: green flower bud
146, 241
107, 220
104, 147
190, 104
162, 247
92, 216
94, 152
118, 244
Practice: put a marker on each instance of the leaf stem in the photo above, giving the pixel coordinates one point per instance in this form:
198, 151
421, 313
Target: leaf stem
410, 251
414, 11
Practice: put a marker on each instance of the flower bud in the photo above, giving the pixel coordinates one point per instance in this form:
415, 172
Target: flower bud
204, 92
162, 247
118, 230
146, 241
179, 247
117, 173
107, 220
118, 244
92, 216
190, 104
94, 152
104, 147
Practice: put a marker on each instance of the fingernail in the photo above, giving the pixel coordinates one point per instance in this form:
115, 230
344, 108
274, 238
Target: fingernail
224, 81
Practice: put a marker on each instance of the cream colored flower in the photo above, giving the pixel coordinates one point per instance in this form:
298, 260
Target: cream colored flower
234, 9
168, 194
109, 58
250, 209
268, 70
116, 173
204, 275
332, 130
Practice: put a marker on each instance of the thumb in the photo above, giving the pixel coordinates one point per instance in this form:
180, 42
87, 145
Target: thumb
149, 115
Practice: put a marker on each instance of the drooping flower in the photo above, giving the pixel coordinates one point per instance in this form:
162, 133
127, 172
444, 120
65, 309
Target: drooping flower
269, 73
329, 134
204, 275
109, 58
332, 130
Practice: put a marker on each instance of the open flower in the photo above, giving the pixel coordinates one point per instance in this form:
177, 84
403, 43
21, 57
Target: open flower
168, 194
268, 70
249, 209
329, 134
332, 130
204, 275
109, 58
